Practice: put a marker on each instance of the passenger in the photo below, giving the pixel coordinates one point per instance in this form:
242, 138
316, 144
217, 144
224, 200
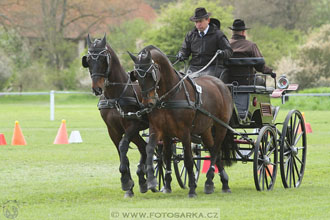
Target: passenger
245, 48
202, 43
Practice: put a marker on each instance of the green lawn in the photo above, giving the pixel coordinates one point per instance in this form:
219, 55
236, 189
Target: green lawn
82, 181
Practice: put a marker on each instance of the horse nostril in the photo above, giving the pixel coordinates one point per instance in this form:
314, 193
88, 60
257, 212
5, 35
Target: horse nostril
97, 91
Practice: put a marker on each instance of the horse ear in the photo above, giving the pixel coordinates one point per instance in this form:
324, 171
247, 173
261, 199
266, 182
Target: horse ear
132, 56
88, 41
132, 76
84, 62
148, 55
104, 41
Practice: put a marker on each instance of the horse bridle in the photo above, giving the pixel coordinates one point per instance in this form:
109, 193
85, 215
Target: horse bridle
142, 73
95, 57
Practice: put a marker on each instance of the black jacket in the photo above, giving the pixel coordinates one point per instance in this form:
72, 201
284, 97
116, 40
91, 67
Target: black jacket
203, 49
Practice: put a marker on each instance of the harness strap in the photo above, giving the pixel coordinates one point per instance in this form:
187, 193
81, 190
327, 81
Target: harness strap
111, 103
177, 104
217, 120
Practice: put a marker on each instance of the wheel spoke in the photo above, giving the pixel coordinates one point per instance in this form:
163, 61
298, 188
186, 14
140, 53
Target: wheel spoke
293, 126
270, 174
296, 168
182, 170
271, 151
260, 173
293, 175
287, 152
299, 160
265, 177
287, 168
290, 172
297, 140
287, 144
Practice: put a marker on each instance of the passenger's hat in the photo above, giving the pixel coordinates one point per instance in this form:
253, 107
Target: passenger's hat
200, 13
238, 25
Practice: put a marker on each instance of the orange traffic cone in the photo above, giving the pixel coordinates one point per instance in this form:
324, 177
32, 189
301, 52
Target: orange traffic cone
18, 138
2, 139
62, 135
206, 166
307, 125
269, 172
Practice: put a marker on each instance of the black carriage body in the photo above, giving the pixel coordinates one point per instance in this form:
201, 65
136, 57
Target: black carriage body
252, 106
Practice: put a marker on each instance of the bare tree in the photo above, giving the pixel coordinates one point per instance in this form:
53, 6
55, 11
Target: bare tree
52, 21
289, 14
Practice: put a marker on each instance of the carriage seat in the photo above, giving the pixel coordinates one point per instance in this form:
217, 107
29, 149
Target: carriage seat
246, 61
242, 70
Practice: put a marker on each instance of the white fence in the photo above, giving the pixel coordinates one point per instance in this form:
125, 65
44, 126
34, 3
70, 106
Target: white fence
52, 97
51, 100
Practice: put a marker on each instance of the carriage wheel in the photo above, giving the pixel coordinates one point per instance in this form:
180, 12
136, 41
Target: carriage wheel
159, 166
178, 163
293, 148
265, 159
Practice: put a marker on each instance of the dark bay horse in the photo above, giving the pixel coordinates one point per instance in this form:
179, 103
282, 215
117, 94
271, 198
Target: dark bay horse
118, 95
177, 111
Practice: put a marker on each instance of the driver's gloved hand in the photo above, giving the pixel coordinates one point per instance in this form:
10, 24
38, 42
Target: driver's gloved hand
273, 75
179, 56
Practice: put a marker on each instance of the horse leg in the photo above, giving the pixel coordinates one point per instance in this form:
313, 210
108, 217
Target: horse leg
223, 176
115, 137
141, 168
220, 133
189, 164
209, 143
151, 179
168, 160
127, 182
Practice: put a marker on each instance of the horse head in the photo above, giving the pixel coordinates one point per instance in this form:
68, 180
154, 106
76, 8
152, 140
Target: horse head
98, 62
146, 71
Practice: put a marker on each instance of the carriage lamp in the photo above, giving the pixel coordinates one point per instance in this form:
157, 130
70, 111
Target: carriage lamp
254, 101
283, 82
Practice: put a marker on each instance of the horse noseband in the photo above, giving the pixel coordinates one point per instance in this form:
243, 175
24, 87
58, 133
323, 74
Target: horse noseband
95, 56
152, 69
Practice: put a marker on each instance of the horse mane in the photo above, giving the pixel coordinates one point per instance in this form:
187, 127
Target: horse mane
152, 47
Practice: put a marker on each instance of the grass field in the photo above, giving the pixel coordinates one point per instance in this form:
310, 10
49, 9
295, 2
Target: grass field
82, 181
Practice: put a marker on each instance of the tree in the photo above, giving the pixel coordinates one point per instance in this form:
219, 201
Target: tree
313, 60
54, 26
290, 14
125, 37
275, 43
173, 23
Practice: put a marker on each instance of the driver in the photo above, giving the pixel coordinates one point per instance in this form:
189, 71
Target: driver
245, 48
202, 43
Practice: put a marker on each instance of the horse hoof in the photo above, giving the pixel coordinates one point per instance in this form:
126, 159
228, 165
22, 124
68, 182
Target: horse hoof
127, 186
166, 190
129, 194
226, 190
154, 189
208, 188
192, 195
152, 184
144, 187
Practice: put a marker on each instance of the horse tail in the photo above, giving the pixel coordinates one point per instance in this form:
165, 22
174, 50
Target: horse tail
228, 149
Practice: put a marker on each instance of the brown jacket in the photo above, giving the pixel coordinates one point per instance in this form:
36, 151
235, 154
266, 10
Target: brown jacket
245, 48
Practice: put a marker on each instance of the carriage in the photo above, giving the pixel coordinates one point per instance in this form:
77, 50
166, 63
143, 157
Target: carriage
259, 138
